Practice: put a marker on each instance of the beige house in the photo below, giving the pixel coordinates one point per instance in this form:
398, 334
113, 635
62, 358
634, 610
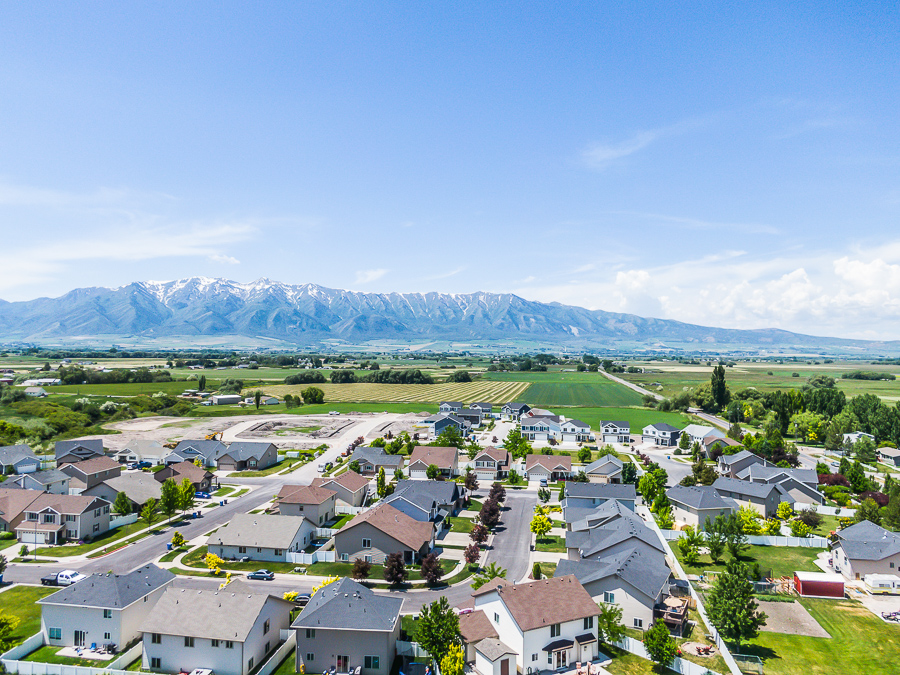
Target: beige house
90, 472
763, 497
316, 504
54, 519
423, 456
548, 467
258, 536
350, 487
695, 504
866, 548
380, 531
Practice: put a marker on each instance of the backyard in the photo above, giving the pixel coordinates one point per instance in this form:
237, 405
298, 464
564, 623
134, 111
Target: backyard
20, 601
781, 560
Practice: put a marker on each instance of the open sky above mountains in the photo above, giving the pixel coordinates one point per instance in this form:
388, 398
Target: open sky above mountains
731, 166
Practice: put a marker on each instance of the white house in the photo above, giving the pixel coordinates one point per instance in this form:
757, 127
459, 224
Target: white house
576, 431
866, 548
541, 428
261, 537
697, 432
612, 431
661, 434
514, 411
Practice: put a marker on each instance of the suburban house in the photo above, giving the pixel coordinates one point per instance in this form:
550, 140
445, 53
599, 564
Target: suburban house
491, 463
514, 411
258, 536
487, 409
228, 631
605, 469
351, 488
138, 487
710, 443
426, 500
695, 504
51, 480
697, 432
142, 451
575, 431
423, 456
886, 455
103, 609
13, 503
615, 432
242, 455
578, 519
548, 467
541, 428
372, 459
316, 504
541, 625
77, 451
200, 478
800, 484
621, 534
374, 534
851, 438
581, 495
661, 434
18, 459
733, 466
473, 416
635, 580
450, 406
90, 472
35, 392
866, 548
763, 497
346, 625
188, 451
474, 627
437, 423
53, 519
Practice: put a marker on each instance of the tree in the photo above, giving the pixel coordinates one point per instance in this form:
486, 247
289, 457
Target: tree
720, 394
395, 571
731, 606
659, 644
472, 553
453, 662
584, 455
438, 628
665, 518
122, 505
355, 468
684, 443
213, 563
541, 525
648, 488
868, 510
361, 569
516, 444
492, 571
810, 517
150, 512
497, 493
715, 544
431, 569
313, 395
479, 534
178, 540
489, 515
257, 398
380, 483
398, 473
8, 626
609, 623
169, 498
471, 481
432, 472
186, 495
513, 477
201, 383
785, 511
629, 473
536, 571
799, 529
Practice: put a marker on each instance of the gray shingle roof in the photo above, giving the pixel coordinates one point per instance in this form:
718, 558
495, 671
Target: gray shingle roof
868, 541
241, 451
442, 491
639, 568
63, 448
776, 474
376, 456
728, 460
746, 488
601, 491
10, 454
111, 591
48, 476
591, 542
698, 497
663, 426
258, 529
585, 518
606, 459
138, 487
209, 449
493, 649
348, 605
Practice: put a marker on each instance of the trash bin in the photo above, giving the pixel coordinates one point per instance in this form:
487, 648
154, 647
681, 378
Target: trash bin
221, 503
226, 501
169, 546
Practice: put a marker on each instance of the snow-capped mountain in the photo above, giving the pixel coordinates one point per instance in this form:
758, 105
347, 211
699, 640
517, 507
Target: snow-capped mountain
219, 307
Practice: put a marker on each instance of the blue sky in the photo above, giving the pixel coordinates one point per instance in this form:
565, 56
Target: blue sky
729, 165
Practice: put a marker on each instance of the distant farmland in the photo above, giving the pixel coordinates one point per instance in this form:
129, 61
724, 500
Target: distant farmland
571, 389
465, 392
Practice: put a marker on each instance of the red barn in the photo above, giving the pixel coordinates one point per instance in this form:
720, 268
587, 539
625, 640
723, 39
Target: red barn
819, 584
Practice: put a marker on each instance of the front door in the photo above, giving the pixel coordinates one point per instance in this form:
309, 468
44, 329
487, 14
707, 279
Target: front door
561, 658
343, 663
79, 638
504, 667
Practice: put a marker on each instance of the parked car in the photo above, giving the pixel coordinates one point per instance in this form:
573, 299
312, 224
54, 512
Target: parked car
64, 578
333, 412
302, 599
201, 495
140, 465
543, 482
262, 575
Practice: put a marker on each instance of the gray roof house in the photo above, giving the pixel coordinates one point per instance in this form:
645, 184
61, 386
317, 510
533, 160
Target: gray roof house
866, 548
448, 494
800, 484
138, 487
605, 469
18, 459
228, 631
76, 451
372, 459
242, 455
142, 450
695, 504
634, 579
763, 497
188, 451
615, 536
259, 536
52, 480
514, 411
578, 519
450, 406
732, 465
580, 495
661, 434
103, 609
441, 421
348, 619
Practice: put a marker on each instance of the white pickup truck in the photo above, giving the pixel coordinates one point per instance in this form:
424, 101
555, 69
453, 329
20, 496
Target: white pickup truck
64, 578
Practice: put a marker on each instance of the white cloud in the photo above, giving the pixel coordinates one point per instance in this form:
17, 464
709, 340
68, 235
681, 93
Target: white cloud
700, 224
600, 156
227, 259
368, 276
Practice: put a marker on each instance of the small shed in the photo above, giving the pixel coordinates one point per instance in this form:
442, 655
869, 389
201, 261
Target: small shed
819, 584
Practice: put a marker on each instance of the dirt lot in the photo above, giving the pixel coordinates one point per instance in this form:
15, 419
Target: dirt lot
290, 429
791, 618
407, 423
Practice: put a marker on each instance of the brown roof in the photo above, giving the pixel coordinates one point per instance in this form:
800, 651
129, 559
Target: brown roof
14, 501
549, 462
489, 586
712, 440
307, 495
475, 626
497, 454
349, 480
442, 458
65, 503
95, 464
396, 525
183, 470
548, 601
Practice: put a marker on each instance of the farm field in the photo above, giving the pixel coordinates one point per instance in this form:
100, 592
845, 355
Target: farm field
638, 418
555, 388
467, 392
129, 388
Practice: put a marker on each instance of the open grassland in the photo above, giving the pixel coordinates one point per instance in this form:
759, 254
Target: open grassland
638, 418
467, 392
129, 388
860, 643
668, 379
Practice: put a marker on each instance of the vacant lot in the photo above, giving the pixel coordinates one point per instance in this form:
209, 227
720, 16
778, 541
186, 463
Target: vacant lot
467, 392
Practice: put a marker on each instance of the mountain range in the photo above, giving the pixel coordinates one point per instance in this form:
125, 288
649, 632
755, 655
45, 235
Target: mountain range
304, 314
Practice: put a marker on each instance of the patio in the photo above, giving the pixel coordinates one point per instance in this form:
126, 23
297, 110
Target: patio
85, 653
595, 667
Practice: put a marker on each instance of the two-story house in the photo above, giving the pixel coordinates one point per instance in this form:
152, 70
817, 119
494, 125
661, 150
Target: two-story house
661, 434
866, 548
763, 497
697, 432
53, 481
613, 431
350, 487
541, 428
438, 423
575, 431
53, 519
77, 451
514, 412
374, 534
696, 504
450, 406
90, 473
491, 463
316, 504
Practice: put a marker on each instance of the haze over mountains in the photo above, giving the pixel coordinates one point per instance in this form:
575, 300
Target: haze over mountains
307, 313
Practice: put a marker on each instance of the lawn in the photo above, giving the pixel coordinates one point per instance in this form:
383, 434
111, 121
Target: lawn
223, 491
376, 574
195, 559
275, 468
464, 525
860, 643
551, 544
20, 601
547, 570
48, 654
780, 560
626, 663
340, 522
174, 553
288, 666
109, 538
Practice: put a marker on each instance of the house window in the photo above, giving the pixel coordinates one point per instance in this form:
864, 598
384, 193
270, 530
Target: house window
106, 636
229, 644
107, 613
188, 641
49, 518
554, 630
155, 638
258, 550
242, 549
367, 543
310, 633
892, 565
609, 598
215, 643
300, 508
96, 513
345, 557
154, 662
534, 657
105, 509
278, 551
638, 623
268, 646
266, 628
496, 618
250, 663
96, 527
368, 558
588, 622
310, 656
32, 516
372, 662
55, 633
70, 519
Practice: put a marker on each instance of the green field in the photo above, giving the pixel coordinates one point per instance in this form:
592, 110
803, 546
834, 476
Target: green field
638, 418
555, 388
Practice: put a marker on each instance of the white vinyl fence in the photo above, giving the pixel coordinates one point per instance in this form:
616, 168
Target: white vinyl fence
11, 661
300, 558
761, 540
278, 656
119, 521
344, 509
